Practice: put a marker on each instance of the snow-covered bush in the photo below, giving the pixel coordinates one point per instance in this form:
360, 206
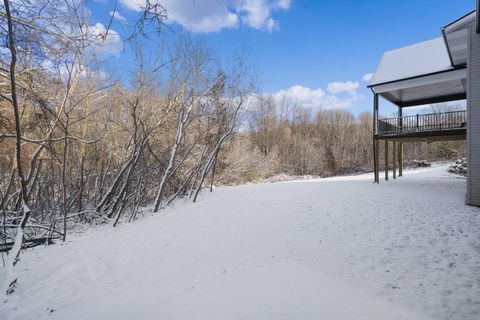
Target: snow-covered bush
422, 163
460, 167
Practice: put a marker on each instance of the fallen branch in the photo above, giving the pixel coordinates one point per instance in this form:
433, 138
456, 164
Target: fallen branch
5, 247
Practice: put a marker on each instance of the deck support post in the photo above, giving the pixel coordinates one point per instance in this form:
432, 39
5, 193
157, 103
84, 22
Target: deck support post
394, 159
400, 159
400, 144
375, 161
386, 160
376, 175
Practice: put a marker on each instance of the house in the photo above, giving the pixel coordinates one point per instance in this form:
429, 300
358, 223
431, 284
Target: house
439, 70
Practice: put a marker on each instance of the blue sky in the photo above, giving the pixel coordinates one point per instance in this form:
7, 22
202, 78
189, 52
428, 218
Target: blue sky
316, 51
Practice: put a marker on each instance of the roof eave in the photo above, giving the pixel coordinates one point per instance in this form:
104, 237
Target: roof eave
461, 18
447, 46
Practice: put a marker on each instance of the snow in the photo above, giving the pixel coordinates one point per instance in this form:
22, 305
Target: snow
414, 60
336, 248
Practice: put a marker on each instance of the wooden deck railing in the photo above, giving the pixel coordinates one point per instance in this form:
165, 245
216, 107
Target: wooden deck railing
423, 122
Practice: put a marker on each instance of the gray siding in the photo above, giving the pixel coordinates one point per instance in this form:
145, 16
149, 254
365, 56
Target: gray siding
473, 123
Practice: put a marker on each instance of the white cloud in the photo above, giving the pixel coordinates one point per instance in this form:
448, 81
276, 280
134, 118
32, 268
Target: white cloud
367, 77
117, 16
135, 5
318, 98
107, 43
215, 15
306, 97
65, 69
256, 14
283, 4
337, 87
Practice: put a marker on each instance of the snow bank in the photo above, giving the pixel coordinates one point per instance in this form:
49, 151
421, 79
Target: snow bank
338, 248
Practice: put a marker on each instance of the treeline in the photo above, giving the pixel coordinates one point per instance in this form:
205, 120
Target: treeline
284, 138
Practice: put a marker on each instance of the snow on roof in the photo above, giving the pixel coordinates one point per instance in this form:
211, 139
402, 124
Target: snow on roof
419, 59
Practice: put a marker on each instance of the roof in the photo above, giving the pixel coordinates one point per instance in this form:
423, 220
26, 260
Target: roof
419, 59
462, 22
427, 72
455, 35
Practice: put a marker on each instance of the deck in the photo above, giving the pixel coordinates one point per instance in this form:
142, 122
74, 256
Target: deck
450, 125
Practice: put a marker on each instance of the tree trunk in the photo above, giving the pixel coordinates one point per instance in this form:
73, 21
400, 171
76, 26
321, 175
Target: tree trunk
173, 154
14, 253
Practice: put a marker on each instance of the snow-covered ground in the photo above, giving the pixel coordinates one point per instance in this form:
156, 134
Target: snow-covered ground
337, 248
